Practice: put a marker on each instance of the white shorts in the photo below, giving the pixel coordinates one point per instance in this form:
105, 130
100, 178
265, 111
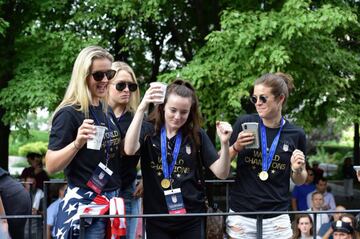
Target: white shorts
278, 227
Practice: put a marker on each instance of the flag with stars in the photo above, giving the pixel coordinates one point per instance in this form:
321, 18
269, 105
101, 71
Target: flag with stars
79, 201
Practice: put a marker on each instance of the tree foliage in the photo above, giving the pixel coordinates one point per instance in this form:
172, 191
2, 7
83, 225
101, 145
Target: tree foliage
298, 39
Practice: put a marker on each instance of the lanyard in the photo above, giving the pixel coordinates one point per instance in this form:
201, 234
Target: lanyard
267, 158
107, 142
167, 170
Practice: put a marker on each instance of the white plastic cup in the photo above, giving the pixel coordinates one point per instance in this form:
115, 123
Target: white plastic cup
163, 89
96, 141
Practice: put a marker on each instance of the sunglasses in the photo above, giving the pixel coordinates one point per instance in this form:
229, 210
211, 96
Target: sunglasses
99, 75
122, 85
262, 98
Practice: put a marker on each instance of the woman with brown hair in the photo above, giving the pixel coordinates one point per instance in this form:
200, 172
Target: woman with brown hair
171, 148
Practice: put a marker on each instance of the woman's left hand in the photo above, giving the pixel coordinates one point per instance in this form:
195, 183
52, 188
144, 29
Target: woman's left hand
297, 160
223, 130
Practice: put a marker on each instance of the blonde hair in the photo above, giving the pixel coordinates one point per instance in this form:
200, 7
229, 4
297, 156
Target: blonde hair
78, 93
134, 96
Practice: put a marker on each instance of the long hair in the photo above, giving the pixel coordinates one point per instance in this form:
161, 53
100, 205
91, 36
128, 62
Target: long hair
78, 93
192, 125
134, 96
280, 84
296, 230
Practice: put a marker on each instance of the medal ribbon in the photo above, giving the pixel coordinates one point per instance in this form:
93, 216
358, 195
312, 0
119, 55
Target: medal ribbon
267, 158
167, 170
97, 122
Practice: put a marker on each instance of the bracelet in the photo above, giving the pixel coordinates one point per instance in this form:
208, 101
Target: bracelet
75, 146
237, 151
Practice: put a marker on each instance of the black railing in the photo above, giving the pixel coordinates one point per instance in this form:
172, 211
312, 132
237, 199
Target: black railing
259, 215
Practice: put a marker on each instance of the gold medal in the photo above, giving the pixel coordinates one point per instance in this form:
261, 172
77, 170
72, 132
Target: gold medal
165, 183
263, 175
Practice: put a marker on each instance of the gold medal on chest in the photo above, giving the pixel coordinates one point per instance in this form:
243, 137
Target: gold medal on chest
165, 183
263, 175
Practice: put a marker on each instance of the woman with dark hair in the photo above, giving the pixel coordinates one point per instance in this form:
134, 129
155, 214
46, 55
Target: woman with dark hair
171, 148
264, 169
303, 227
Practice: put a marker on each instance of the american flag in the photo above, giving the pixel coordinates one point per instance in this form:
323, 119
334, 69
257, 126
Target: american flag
79, 201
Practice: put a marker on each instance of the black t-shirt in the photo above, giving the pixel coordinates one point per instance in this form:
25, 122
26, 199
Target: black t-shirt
128, 163
64, 130
185, 173
9, 187
249, 193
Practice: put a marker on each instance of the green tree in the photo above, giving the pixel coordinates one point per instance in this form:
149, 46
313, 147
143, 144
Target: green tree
297, 39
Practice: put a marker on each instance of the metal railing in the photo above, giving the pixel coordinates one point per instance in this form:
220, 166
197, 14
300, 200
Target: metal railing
259, 215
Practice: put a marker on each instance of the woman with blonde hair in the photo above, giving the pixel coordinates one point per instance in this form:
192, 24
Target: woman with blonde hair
92, 173
124, 97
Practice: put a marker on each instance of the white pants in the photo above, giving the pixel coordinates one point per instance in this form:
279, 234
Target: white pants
278, 227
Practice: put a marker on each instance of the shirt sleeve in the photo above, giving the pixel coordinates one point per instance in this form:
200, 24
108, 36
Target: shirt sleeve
208, 151
64, 129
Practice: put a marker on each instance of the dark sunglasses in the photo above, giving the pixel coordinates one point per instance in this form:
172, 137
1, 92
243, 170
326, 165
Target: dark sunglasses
99, 75
122, 85
262, 98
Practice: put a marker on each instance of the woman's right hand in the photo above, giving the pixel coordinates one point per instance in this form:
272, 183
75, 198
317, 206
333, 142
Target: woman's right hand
86, 131
153, 95
243, 139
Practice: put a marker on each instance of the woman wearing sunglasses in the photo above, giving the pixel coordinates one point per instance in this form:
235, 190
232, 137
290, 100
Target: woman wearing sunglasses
124, 98
263, 170
93, 174
171, 150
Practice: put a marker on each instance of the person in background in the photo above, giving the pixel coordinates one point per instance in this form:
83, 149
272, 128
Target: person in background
171, 149
36, 193
14, 200
300, 192
52, 211
342, 230
318, 172
349, 174
329, 199
93, 174
124, 98
36, 168
263, 174
303, 227
317, 202
325, 230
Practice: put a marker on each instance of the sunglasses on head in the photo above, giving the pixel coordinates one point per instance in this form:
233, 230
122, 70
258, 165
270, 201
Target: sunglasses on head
99, 75
122, 85
262, 98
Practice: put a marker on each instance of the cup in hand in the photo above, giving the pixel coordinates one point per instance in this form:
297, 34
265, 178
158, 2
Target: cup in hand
96, 141
163, 90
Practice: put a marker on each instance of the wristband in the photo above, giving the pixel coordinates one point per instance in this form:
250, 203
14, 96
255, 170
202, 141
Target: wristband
237, 151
